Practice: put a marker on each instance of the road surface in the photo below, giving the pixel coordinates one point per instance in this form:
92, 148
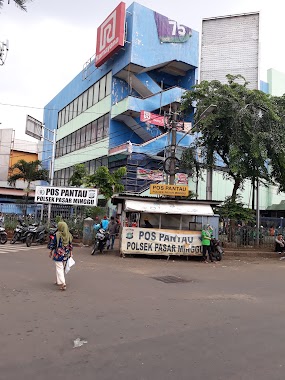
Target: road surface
142, 319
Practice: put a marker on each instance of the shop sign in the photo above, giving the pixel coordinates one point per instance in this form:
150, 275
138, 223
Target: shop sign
66, 196
110, 35
169, 30
174, 190
160, 242
152, 118
149, 174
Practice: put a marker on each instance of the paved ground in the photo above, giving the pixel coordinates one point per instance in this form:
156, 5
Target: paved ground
225, 322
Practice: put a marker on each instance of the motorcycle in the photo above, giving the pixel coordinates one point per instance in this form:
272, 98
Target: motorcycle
217, 250
36, 234
51, 236
20, 233
101, 239
3, 235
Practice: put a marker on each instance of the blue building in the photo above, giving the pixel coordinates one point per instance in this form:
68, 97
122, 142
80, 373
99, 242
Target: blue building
98, 115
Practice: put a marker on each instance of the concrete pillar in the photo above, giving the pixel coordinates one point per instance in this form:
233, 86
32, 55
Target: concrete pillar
87, 231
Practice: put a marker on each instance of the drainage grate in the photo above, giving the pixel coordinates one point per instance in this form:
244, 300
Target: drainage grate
171, 279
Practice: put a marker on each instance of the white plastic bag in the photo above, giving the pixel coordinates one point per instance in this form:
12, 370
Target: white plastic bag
69, 264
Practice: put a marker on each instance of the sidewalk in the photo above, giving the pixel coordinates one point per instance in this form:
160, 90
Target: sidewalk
229, 252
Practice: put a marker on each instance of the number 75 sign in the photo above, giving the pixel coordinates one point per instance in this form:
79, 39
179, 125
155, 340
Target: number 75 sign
170, 31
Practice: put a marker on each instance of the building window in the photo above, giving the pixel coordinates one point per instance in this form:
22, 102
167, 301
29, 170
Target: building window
96, 93
109, 83
84, 101
87, 99
102, 91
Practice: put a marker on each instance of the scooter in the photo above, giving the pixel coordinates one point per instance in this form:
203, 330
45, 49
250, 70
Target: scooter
3, 235
217, 250
101, 238
36, 234
20, 233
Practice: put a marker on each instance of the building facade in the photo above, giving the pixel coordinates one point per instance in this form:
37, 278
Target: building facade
113, 115
11, 151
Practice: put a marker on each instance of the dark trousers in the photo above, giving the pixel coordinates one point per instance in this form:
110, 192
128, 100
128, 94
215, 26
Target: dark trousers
207, 248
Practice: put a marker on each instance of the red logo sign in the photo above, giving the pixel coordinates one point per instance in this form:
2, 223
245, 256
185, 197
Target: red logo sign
110, 35
152, 118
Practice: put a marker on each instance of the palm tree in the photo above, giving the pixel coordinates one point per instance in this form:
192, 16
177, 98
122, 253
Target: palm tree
28, 172
20, 3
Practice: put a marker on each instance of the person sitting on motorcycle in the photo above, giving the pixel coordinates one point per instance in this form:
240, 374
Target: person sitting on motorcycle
105, 223
279, 244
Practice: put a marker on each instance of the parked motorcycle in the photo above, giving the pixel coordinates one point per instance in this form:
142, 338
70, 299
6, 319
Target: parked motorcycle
20, 233
36, 234
101, 239
51, 235
3, 235
217, 250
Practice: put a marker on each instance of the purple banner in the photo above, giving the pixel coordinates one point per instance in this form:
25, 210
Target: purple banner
170, 31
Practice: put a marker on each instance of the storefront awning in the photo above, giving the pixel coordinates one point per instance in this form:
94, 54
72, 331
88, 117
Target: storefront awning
168, 208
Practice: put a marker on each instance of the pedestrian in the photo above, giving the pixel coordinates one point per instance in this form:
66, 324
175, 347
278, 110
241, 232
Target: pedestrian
206, 243
61, 251
113, 229
2, 219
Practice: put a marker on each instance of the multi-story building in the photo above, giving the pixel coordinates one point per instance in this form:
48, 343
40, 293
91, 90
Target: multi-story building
111, 113
11, 151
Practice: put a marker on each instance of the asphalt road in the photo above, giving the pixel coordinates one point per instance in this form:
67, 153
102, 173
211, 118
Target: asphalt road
223, 321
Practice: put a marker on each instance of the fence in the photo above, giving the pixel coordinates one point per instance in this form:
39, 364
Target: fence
247, 237
38, 213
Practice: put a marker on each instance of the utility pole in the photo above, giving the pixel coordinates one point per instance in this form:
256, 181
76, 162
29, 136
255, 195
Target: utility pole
173, 148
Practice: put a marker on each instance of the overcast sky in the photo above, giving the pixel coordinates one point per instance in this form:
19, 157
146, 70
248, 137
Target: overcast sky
49, 44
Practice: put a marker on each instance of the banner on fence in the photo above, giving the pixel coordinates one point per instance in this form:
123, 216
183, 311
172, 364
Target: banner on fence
66, 196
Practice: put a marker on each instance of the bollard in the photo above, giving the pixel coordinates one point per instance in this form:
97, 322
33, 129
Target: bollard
88, 231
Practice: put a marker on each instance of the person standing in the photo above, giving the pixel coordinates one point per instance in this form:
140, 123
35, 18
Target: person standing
1, 219
61, 251
206, 243
113, 229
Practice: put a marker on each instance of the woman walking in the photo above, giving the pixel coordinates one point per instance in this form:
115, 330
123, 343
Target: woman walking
61, 251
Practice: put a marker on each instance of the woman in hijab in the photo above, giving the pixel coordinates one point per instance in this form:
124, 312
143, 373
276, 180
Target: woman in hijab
61, 251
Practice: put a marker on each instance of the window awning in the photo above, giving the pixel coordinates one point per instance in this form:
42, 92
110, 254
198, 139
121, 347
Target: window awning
168, 208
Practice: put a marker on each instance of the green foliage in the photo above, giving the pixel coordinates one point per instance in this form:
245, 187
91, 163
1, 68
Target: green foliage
244, 132
78, 176
108, 183
28, 172
235, 210
92, 212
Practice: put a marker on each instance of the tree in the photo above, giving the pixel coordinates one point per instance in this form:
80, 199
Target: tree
19, 3
28, 172
102, 179
234, 210
108, 183
243, 136
78, 176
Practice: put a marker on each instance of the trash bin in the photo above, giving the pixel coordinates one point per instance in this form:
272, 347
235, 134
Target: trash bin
88, 231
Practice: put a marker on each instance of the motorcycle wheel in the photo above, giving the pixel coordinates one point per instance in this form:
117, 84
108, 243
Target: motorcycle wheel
3, 239
219, 256
14, 239
29, 240
95, 248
